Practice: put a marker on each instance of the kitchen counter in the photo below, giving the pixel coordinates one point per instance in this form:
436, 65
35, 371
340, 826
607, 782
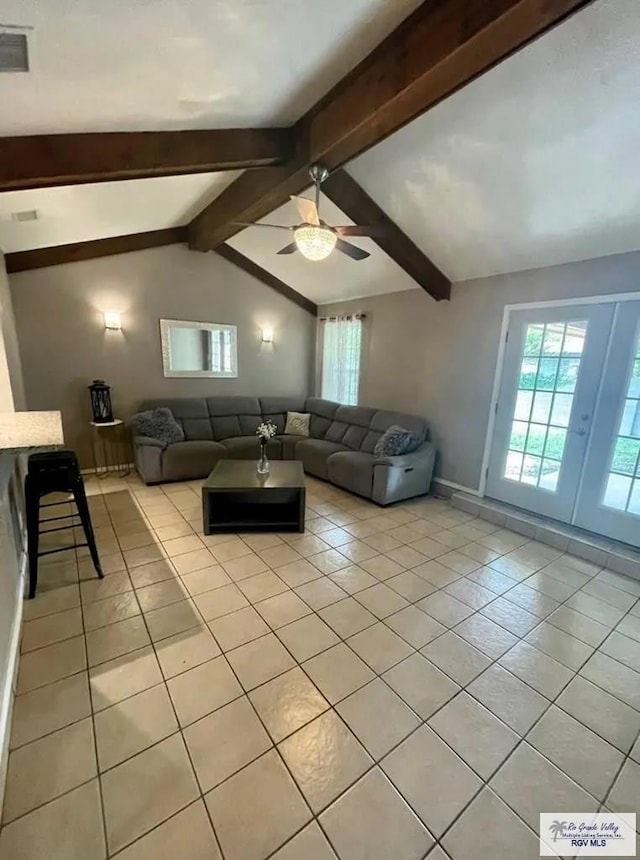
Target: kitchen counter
30, 432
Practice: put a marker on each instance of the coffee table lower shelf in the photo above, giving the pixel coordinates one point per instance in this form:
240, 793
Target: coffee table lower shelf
253, 510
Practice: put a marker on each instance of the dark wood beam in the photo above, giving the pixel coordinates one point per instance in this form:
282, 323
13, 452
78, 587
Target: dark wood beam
69, 159
40, 258
356, 204
267, 278
439, 48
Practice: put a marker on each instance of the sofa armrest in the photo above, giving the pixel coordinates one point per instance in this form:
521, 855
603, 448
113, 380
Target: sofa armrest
147, 440
403, 477
423, 454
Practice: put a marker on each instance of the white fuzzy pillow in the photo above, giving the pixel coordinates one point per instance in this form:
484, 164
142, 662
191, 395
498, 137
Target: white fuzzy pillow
297, 423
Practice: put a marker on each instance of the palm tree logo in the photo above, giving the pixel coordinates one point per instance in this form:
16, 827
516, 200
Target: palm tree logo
557, 828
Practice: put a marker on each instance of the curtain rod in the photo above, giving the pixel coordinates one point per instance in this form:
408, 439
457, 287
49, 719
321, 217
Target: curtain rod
343, 317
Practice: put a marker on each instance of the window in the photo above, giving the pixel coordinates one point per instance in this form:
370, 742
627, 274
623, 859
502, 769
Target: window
341, 345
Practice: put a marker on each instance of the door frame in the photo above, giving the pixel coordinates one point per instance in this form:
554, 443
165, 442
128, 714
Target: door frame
497, 379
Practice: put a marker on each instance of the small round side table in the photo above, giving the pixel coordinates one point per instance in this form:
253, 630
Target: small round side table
110, 439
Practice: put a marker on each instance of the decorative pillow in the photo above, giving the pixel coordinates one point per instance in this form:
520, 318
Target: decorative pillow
394, 441
158, 424
297, 423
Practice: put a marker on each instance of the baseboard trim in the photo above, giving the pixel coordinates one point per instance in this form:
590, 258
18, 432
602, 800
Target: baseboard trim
7, 694
458, 488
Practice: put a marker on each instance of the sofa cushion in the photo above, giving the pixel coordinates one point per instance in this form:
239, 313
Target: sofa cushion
191, 414
297, 423
314, 453
357, 419
185, 461
382, 420
322, 412
352, 470
288, 445
233, 416
275, 409
157, 424
248, 448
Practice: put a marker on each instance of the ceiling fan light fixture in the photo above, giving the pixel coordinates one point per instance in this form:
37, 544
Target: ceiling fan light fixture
315, 242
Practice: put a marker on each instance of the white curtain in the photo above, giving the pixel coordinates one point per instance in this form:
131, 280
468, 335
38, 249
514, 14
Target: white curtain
341, 348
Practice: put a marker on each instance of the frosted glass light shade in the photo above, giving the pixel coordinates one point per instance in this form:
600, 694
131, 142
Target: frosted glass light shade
112, 320
315, 242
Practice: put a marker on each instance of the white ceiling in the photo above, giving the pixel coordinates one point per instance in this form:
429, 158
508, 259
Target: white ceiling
79, 213
336, 278
127, 65
535, 163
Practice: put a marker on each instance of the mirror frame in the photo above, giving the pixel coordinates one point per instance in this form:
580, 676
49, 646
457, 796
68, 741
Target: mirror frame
165, 340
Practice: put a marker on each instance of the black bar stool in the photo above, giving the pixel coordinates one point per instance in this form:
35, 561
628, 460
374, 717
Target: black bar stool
55, 472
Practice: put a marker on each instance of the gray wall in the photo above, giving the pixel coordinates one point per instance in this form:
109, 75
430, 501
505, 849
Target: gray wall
9, 341
64, 345
438, 359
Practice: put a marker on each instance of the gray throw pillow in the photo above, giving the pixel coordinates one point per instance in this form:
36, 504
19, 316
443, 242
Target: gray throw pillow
158, 424
395, 441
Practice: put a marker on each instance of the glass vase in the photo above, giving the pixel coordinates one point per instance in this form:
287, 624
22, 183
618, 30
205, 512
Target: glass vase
263, 463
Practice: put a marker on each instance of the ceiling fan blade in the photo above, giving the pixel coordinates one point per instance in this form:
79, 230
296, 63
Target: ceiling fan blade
351, 250
288, 249
307, 209
258, 224
357, 230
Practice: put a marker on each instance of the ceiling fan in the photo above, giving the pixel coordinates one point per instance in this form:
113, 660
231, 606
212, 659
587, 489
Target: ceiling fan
313, 237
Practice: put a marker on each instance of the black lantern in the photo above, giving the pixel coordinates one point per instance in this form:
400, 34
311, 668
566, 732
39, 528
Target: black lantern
101, 401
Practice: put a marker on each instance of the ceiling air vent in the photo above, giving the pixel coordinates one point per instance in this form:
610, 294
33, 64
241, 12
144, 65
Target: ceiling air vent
14, 52
25, 215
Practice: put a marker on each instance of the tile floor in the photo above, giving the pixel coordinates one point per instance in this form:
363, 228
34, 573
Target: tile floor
382, 686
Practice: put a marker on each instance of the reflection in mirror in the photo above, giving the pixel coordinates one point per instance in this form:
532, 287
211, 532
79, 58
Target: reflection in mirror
198, 349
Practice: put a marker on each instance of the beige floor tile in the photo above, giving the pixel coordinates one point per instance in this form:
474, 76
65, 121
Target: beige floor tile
541, 672
410, 586
614, 677
423, 687
262, 541
372, 822
52, 601
165, 533
287, 703
50, 629
381, 542
297, 573
203, 689
191, 828
625, 794
257, 810
446, 609
277, 556
133, 803
594, 608
45, 833
262, 586
110, 563
456, 657
338, 672
582, 755
282, 609
237, 628
474, 595
259, 661
474, 733
506, 838
411, 767
206, 579
143, 555
347, 617
623, 649
307, 544
220, 602
382, 567
197, 559
110, 586
568, 650
310, 843
533, 601
52, 663
407, 556
245, 566
578, 625
486, 636
110, 610
602, 713
149, 574
381, 600
132, 725
379, 647
223, 742
515, 703
180, 545
48, 767
414, 626
185, 650
125, 676
459, 563
172, 619
230, 550
109, 642
477, 552
161, 594
491, 579
358, 551
530, 784
630, 626
378, 717
49, 708
513, 618
307, 637
353, 579
320, 593
325, 759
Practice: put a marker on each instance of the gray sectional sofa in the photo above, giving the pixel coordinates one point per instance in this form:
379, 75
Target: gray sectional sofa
339, 447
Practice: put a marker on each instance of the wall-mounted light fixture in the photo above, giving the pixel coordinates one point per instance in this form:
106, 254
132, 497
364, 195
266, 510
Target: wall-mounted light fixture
267, 334
113, 320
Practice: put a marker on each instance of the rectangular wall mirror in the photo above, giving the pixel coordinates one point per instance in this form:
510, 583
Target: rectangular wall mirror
198, 349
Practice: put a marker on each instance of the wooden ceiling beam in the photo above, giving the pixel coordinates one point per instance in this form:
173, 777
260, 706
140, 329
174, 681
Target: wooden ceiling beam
70, 159
232, 256
356, 204
439, 48
40, 258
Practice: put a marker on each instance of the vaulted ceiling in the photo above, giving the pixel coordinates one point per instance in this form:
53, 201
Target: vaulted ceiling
531, 164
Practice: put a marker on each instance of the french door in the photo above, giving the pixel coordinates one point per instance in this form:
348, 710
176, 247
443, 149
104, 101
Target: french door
566, 439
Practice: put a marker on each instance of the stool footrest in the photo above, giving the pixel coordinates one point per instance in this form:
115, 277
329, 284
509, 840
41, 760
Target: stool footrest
61, 549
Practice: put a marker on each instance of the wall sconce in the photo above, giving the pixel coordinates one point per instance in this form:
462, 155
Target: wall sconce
267, 334
113, 320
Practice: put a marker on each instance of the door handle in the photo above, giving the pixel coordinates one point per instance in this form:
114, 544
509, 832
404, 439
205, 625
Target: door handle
579, 432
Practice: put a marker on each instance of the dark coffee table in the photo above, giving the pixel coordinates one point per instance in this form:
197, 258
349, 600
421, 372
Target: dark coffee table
235, 498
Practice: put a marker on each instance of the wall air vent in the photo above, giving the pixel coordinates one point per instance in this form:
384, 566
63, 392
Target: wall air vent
14, 51
25, 215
